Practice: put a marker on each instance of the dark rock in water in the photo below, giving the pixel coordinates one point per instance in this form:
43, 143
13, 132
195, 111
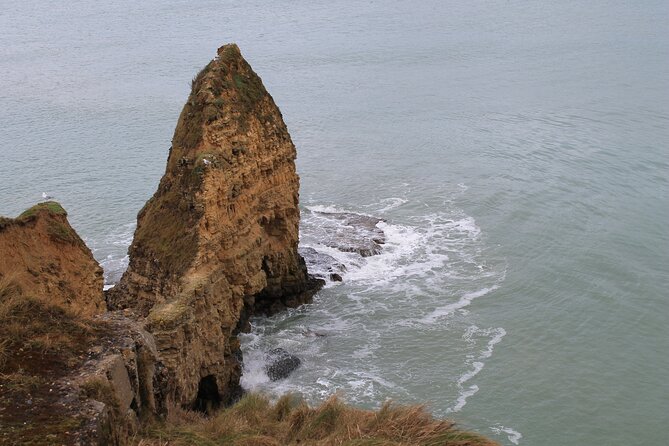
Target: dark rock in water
351, 232
280, 364
313, 334
335, 277
322, 265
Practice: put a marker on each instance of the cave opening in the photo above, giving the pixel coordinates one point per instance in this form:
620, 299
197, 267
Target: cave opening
208, 399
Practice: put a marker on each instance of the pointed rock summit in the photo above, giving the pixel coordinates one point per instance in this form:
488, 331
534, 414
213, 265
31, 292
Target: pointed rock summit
217, 242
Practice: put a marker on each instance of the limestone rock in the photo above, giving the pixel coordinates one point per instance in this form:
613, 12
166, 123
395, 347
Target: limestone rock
218, 240
42, 255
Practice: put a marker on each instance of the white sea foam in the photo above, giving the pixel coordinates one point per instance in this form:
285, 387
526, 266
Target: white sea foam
475, 363
462, 398
389, 203
431, 267
513, 435
111, 253
326, 208
464, 301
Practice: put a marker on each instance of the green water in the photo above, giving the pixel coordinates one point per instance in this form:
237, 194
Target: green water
519, 153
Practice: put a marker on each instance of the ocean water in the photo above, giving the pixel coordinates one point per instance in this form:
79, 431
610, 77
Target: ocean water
517, 151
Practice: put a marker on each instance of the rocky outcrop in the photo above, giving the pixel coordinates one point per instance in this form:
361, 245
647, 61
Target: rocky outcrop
42, 255
218, 240
280, 364
123, 380
322, 265
350, 232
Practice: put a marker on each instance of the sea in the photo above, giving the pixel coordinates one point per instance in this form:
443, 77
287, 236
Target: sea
517, 153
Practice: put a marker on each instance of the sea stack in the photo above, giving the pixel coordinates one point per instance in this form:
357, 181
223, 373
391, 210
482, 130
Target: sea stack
217, 242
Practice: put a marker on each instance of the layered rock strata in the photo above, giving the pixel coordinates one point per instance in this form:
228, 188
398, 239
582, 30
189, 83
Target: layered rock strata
218, 240
45, 258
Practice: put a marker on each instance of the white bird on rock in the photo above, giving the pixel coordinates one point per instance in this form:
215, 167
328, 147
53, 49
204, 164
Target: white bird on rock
46, 196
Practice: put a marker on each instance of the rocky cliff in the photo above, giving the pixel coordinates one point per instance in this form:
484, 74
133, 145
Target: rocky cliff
217, 242
45, 258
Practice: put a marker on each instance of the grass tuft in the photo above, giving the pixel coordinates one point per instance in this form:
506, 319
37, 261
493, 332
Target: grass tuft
254, 421
52, 207
100, 389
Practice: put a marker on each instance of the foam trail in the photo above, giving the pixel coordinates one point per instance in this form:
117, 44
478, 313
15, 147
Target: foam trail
513, 435
464, 301
496, 336
393, 202
462, 398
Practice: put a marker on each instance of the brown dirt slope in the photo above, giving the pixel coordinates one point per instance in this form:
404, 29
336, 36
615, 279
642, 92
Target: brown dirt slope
46, 259
40, 346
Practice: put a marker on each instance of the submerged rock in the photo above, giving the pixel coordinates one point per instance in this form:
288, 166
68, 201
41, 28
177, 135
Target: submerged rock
350, 232
280, 364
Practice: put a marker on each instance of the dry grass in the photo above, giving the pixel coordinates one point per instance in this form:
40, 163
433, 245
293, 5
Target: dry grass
254, 421
20, 381
39, 343
100, 389
33, 332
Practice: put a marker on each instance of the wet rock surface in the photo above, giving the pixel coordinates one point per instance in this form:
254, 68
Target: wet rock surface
322, 265
350, 232
280, 364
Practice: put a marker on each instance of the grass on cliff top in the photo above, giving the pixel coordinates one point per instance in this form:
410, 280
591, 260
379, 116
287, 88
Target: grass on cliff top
254, 421
51, 206
57, 231
39, 343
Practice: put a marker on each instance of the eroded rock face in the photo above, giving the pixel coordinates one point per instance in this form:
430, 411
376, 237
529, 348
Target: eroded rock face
218, 240
46, 259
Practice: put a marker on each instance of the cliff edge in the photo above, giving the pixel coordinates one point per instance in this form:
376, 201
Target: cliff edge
217, 242
46, 259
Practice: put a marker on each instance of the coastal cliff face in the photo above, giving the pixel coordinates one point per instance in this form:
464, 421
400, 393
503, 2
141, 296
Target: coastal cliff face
46, 259
218, 240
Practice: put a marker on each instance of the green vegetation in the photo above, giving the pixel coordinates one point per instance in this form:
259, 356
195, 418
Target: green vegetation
51, 206
254, 421
250, 88
189, 129
60, 232
168, 223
